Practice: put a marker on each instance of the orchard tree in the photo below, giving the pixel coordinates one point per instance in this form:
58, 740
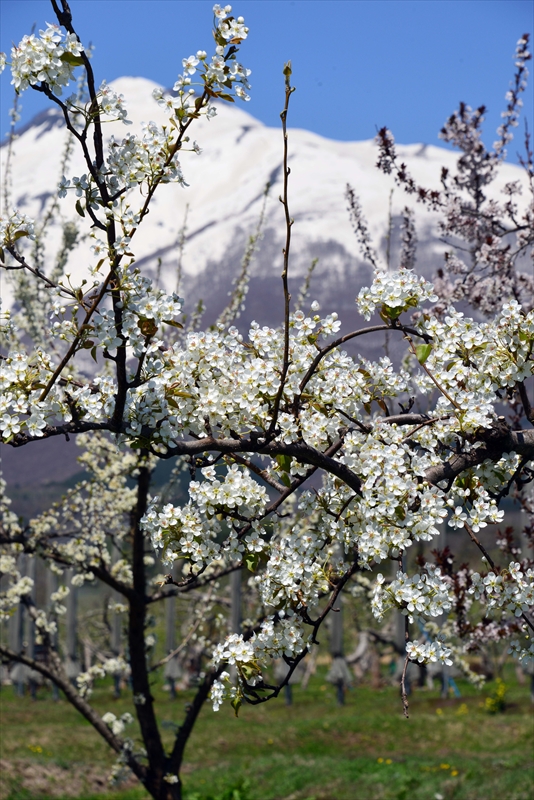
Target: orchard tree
309, 468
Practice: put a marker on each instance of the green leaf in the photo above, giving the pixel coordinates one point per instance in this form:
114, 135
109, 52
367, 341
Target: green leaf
79, 208
19, 235
249, 670
227, 97
173, 323
422, 351
70, 58
284, 462
251, 561
93, 353
390, 312
285, 480
236, 704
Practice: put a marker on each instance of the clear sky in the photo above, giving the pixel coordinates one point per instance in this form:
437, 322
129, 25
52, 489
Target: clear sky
358, 64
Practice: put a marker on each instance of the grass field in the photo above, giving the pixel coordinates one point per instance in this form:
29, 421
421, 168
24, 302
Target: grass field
313, 750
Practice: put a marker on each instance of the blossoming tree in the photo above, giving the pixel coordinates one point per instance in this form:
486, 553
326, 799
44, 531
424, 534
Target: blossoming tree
254, 416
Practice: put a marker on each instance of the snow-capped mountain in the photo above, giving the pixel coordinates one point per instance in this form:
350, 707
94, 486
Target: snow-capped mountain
224, 199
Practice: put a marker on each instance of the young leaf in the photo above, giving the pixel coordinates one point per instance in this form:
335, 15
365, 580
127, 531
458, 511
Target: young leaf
251, 561
236, 704
422, 351
284, 462
70, 58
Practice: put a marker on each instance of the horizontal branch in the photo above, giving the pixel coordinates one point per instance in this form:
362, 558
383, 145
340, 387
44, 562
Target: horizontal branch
495, 442
302, 452
81, 705
48, 432
490, 443
23, 264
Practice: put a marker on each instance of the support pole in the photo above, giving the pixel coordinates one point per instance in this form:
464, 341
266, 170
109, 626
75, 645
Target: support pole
16, 634
71, 644
52, 584
30, 627
172, 671
116, 629
339, 674
236, 617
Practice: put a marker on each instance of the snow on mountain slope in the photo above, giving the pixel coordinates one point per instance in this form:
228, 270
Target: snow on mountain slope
224, 197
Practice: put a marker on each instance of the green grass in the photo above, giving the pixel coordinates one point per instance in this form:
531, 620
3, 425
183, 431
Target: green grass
313, 750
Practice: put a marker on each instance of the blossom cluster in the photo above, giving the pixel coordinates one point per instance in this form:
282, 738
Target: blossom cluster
428, 593
19, 587
280, 638
428, 652
395, 292
48, 58
117, 724
523, 653
14, 227
469, 361
111, 104
188, 531
222, 690
510, 117
473, 504
510, 591
111, 666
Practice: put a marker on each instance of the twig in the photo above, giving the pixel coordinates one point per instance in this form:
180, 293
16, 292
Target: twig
432, 378
289, 222
24, 265
404, 695
480, 546
262, 473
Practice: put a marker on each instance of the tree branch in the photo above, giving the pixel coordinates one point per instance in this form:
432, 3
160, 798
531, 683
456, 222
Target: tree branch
81, 705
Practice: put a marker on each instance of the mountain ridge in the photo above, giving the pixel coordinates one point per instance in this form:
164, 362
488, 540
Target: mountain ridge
240, 154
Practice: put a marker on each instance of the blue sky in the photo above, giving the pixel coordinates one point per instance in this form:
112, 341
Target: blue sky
358, 64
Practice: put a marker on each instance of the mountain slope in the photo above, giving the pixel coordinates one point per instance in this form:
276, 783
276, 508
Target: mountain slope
224, 199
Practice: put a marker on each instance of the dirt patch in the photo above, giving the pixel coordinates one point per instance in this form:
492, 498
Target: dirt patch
49, 779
